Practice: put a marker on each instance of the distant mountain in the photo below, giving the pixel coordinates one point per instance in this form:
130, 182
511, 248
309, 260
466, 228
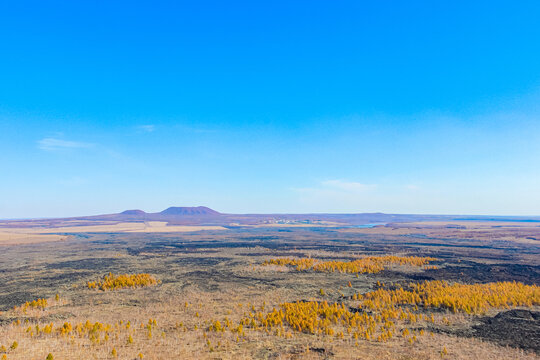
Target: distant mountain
133, 212
202, 215
189, 211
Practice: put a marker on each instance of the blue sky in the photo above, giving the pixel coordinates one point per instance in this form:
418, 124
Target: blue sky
306, 106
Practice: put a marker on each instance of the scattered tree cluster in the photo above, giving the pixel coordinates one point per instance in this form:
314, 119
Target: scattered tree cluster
380, 315
370, 264
115, 282
468, 298
337, 320
94, 332
39, 304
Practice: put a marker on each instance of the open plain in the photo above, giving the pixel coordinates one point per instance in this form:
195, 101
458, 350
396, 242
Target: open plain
271, 292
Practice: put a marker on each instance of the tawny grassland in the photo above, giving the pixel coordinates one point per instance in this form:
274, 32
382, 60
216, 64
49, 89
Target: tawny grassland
107, 320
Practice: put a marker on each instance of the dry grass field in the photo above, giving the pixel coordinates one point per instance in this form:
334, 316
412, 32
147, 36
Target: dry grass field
405, 291
16, 234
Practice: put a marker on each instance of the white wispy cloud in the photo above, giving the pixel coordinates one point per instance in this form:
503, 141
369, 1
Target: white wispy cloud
350, 186
51, 144
146, 128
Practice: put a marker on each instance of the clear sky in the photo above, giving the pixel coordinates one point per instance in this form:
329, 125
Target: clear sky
278, 106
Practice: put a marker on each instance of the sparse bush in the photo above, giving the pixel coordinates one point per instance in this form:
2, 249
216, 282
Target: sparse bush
444, 352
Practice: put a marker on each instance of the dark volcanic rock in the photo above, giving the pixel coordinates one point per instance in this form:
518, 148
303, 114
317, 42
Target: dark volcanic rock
516, 328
